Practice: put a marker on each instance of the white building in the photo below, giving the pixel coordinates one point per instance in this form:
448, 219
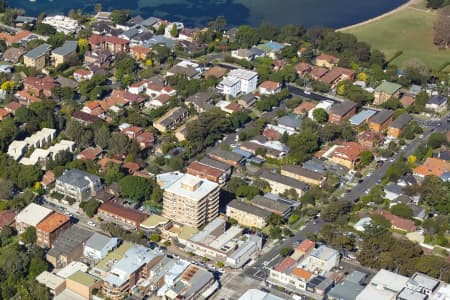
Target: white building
362, 223
17, 149
42, 155
167, 31
322, 259
78, 185
385, 285
325, 104
98, 246
62, 24
254, 294
238, 81
31, 215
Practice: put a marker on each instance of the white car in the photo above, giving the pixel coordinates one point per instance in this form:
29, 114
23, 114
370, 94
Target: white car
90, 223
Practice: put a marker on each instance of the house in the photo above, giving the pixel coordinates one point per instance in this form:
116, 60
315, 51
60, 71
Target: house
52, 282
407, 100
139, 52
4, 113
215, 72
124, 216
82, 74
213, 239
342, 111
385, 285
49, 229
20, 21
432, 167
369, 139
362, 117
393, 191
78, 185
90, 153
62, 24
98, 246
347, 154
385, 91
271, 48
397, 126
190, 69
326, 60
82, 284
248, 54
61, 54
200, 170
336, 75
171, 119
247, 215
98, 58
381, 120
318, 72
7, 218
362, 224
398, 222
304, 175
324, 104
13, 55
269, 88
201, 101
279, 184
303, 68
238, 81
68, 246
31, 215
322, 259
246, 100
437, 103
26, 98
40, 87
37, 58
278, 64
304, 107
19, 38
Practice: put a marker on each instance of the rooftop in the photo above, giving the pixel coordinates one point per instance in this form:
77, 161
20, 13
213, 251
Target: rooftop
52, 222
298, 170
38, 51
78, 178
254, 294
283, 180
98, 241
33, 214
67, 48
154, 221
50, 280
361, 117
324, 252
387, 87
382, 116
269, 204
343, 108
124, 212
242, 74
69, 240
192, 187
242, 206
84, 279
227, 155
401, 121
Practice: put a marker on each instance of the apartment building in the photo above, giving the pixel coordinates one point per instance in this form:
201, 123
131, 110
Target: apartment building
78, 185
126, 217
381, 120
191, 201
48, 230
397, 126
171, 119
280, 183
247, 215
37, 58
238, 81
385, 91
31, 215
304, 175
61, 54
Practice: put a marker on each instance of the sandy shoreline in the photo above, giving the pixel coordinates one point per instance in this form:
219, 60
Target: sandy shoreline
401, 7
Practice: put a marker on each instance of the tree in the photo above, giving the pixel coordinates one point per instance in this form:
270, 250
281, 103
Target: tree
441, 33
6, 189
437, 139
366, 157
320, 115
98, 7
29, 235
90, 207
155, 238
174, 30
135, 188
286, 251
402, 210
120, 16
118, 144
218, 25
435, 4
416, 71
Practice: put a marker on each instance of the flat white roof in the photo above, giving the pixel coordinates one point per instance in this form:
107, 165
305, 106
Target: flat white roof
68, 295
72, 268
229, 81
254, 294
390, 280
242, 74
33, 214
50, 280
205, 187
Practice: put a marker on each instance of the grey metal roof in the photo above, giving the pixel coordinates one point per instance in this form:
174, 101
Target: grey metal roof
315, 165
256, 51
78, 178
130, 33
401, 121
361, 117
382, 116
242, 206
69, 240
38, 51
67, 48
228, 155
284, 180
343, 108
149, 21
291, 121
347, 290
437, 100
25, 19
270, 204
97, 241
214, 164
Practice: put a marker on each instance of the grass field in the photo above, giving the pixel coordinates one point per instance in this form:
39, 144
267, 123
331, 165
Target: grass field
409, 30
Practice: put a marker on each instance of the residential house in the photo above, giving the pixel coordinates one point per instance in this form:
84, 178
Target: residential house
342, 111
304, 175
248, 54
37, 58
437, 104
201, 101
398, 222
385, 91
362, 224
68, 246
397, 126
31, 215
62, 24
271, 48
78, 185
347, 154
61, 54
4, 113
238, 81
7, 218
304, 108
407, 100
140, 52
432, 167
90, 153
171, 119
280, 184
49, 229
336, 75
98, 58
13, 55
247, 215
98, 246
303, 68
326, 60
19, 38
325, 105
246, 100
191, 201
20, 21
381, 120
318, 72
369, 139
82, 74
40, 87
124, 216
215, 72
188, 68
269, 88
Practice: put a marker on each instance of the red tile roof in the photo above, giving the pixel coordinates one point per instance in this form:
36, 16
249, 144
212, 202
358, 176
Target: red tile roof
122, 212
285, 264
270, 85
398, 222
305, 246
7, 218
349, 151
52, 222
329, 58
90, 153
198, 167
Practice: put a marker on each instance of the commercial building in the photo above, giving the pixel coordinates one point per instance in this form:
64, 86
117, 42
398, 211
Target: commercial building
49, 229
98, 246
238, 81
384, 286
68, 246
61, 54
37, 58
253, 294
397, 126
349, 288
126, 217
83, 284
279, 184
191, 201
247, 215
54, 283
322, 259
78, 185
31, 215
304, 175
228, 246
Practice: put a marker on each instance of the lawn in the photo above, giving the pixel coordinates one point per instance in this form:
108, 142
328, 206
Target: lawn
409, 30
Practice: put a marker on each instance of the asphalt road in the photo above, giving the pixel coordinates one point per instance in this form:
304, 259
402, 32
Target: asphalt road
271, 258
313, 96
